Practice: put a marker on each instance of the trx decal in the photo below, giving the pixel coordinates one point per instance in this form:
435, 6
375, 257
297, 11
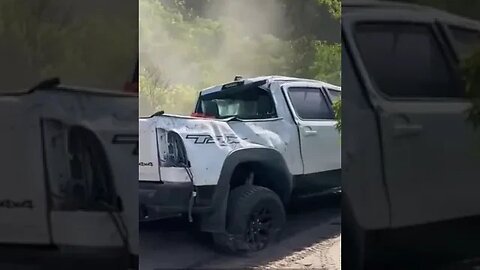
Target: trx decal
207, 139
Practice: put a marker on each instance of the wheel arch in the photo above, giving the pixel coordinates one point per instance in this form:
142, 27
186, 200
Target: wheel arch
269, 159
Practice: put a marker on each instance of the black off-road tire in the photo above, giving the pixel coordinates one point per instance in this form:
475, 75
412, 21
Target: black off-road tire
255, 218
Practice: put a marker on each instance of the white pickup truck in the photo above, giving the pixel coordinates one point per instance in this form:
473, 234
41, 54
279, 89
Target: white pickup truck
252, 146
410, 157
67, 160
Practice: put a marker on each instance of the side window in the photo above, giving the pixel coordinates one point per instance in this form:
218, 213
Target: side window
405, 60
309, 103
466, 41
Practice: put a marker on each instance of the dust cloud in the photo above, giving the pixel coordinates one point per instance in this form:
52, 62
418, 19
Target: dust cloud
229, 46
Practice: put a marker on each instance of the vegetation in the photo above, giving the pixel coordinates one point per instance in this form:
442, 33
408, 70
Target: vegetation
184, 50
43, 39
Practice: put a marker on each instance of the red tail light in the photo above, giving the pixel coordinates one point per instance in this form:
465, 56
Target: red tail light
200, 115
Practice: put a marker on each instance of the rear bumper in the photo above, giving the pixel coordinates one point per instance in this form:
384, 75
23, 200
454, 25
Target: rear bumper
162, 200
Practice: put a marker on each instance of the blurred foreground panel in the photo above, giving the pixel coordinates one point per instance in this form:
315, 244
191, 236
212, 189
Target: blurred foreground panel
410, 136
69, 134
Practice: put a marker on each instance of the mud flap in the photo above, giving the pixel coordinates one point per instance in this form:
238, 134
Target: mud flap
215, 221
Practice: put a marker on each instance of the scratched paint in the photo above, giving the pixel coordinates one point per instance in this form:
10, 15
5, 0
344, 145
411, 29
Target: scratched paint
208, 142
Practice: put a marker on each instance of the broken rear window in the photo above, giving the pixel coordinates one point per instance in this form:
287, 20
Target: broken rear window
246, 103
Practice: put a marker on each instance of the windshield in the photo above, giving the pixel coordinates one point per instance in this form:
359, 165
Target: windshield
251, 103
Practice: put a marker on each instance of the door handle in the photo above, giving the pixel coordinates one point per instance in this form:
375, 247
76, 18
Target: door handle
310, 132
407, 129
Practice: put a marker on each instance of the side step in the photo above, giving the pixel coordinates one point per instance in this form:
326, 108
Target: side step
332, 191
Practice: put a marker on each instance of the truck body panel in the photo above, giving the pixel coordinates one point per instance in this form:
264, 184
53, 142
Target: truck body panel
42, 182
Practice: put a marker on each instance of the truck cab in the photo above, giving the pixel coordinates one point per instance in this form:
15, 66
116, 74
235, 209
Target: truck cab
304, 105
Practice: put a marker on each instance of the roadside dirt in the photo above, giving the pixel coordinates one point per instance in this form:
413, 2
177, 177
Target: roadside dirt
311, 241
323, 255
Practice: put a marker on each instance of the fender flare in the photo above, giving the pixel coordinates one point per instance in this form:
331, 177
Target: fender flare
215, 220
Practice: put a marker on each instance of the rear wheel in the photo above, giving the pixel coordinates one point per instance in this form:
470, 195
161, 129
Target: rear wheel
255, 217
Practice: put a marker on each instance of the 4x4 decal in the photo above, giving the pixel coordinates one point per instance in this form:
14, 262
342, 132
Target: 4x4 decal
145, 164
16, 204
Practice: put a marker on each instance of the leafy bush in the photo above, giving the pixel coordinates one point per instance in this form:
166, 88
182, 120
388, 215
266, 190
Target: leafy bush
327, 64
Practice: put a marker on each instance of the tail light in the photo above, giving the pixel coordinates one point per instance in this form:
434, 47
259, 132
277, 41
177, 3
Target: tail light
201, 115
172, 150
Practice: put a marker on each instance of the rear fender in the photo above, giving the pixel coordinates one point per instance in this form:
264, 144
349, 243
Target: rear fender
215, 220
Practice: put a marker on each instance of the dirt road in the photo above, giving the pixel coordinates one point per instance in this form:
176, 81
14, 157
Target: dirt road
311, 240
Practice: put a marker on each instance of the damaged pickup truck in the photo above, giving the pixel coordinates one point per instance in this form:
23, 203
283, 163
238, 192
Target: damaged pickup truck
67, 160
250, 147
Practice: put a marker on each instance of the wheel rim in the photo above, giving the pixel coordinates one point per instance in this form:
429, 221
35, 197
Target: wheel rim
260, 228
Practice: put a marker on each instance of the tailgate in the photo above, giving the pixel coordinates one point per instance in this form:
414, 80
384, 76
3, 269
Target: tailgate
159, 147
148, 163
